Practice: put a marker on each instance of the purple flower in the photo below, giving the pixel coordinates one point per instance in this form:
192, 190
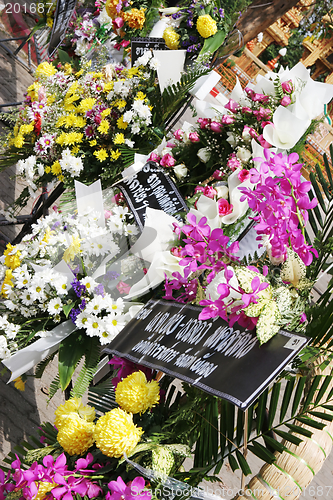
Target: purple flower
134, 489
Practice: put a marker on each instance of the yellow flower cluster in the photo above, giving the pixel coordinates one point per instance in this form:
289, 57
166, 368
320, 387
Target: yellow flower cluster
19, 384
101, 154
171, 38
73, 249
135, 395
119, 139
12, 260
121, 124
45, 69
73, 406
206, 26
135, 18
7, 281
116, 434
68, 139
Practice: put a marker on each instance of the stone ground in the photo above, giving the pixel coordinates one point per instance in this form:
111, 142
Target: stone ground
22, 412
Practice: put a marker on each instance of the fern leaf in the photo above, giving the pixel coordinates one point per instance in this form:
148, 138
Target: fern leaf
92, 357
54, 387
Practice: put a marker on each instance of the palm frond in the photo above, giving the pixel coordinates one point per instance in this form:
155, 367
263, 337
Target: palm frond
102, 396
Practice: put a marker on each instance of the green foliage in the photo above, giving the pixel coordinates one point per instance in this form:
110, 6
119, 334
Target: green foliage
87, 372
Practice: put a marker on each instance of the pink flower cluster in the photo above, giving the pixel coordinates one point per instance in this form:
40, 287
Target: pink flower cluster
281, 202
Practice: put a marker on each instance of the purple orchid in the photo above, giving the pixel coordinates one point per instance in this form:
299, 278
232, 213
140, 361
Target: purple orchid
120, 491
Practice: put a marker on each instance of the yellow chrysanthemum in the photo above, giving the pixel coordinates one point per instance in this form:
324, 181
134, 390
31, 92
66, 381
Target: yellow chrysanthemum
72, 250
68, 69
93, 142
51, 99
7, 281
121, 124
75, 150
132, 72
135, 18
115, 154
76, 435
87, 104
103, 127
56, 168
105, 112
43, 488
72, 407
79, 122
32, 91
12, 260
135, 395
120, 104
19, 141
116, 434
45, 69
171, 38
101, 154
206, 26
26, 128
48, 169
19, 384
140, 96
69, 139
119, 139
47, 235
108, 87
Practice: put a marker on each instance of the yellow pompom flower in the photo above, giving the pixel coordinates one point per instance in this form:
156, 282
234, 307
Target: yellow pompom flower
206, 26
72, 407
116, 434
45, 69
101, 154
12, 260
76, 435
43, 488
135, 18
135, 395
171, 38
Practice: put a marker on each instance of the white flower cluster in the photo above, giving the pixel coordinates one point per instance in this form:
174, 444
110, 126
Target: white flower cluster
70, 163
29, 169
148, 59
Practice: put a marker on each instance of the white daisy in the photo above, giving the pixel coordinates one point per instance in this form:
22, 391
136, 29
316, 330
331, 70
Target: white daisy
95, 305
54, 306
11, 330
93, 326
89, 283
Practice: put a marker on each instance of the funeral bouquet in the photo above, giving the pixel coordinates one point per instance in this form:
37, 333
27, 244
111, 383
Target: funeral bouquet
61, 286
267, 297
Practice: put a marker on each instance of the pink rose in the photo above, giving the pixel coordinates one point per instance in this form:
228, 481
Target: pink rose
287, 86
263, 142
285, 101
217, 175
232, 106
203, 122
125, 43
209, 192
260, 98
179, 134
224, 207
263, 124
216, 127
243, 175
107, 214
123, 287
199, 189
194, 137
250, 92
168, 161
154, 157
227, 119
170, 144
246, 109
118, 23
263, 113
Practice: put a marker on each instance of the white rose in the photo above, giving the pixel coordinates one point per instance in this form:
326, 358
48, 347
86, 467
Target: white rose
222, 192
165, 151
243, 154
204, 154
180, 171
246, 136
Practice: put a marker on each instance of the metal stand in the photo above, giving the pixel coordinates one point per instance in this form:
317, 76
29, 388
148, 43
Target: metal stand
246, 423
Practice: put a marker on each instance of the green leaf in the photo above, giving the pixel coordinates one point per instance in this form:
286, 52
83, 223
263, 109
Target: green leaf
323, 416
323, 389
298, 395
313, 388
91, 352
71, 351
261, 410
311, 423
233, 463
286, 398
214, 42
243, 463
273, 403
273, 443
300, 430
288, 437
64, 57
67, 308
262, 453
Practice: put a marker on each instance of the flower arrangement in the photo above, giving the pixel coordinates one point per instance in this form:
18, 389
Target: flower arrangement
252, 296
73, 124
53, 280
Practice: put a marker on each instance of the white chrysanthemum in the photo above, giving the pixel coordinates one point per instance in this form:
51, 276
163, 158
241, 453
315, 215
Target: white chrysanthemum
128, 116
37, 288
89, 283
106, 335
143, 60
93, 326
54, 306
117, 306
3, 321
60, 284
26, 298
115, 323
12, 330
81, 319
95, 305
154, 63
